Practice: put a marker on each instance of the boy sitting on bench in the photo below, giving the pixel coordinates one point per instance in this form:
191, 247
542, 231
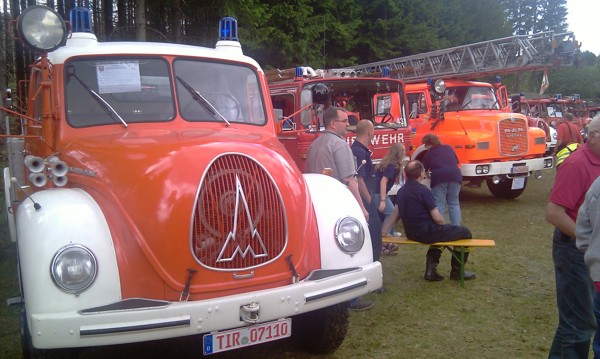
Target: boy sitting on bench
423, 222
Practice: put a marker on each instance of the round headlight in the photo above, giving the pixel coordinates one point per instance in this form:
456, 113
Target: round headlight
439, 86
41, 28
350, 234
73, 268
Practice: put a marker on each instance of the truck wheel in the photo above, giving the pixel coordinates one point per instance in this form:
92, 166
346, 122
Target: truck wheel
29, 352
503, 190
322, 331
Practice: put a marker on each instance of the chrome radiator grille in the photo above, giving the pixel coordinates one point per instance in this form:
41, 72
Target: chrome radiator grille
239, 219
513, 137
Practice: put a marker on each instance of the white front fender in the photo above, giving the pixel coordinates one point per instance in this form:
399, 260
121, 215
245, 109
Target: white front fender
331, 202
67, 216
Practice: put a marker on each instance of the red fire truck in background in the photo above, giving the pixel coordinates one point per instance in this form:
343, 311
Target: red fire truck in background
299, 95
553, 108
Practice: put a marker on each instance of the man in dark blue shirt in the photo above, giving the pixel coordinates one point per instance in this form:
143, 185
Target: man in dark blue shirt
423, 222
366, 181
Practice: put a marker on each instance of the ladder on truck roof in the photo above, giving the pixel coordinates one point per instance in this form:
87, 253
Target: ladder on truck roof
493, 57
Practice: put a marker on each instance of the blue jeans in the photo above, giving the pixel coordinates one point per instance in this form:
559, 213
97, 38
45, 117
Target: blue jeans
389, 207
574, 300
447, 194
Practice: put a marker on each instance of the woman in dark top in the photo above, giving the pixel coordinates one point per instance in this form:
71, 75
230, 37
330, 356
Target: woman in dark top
446, 179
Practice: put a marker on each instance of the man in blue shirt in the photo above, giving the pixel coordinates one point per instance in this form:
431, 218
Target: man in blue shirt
424, 223
365, 176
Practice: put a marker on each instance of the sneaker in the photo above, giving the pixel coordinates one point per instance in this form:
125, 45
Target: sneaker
455, 275
388, 252
359, 305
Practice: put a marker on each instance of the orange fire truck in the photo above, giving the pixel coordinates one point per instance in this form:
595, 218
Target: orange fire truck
492, 144
149, 198
299, 96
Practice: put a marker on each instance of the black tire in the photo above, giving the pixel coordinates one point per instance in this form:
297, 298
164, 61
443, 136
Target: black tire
322, 331
503, 189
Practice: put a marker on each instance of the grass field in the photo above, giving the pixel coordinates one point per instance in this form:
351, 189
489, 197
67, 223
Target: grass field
507, 312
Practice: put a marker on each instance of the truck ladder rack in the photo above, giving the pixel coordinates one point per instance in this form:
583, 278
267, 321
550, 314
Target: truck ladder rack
493, 57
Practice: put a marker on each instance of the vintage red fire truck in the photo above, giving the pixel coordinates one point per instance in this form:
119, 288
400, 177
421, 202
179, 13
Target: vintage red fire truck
553, 108
535, 120
299, 96
149, 197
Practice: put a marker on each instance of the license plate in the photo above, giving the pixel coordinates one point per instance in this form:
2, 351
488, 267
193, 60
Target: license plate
247, 336
520, 169
518, 183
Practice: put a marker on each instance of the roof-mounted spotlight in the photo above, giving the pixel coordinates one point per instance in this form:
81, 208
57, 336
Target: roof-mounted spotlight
41, 28
440, 86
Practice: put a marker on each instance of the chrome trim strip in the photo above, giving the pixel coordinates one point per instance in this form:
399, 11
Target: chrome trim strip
89, 330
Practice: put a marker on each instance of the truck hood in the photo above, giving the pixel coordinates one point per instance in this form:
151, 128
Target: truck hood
181, 201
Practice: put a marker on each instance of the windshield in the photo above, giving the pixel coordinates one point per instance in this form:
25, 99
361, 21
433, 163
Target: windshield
128, 90
232, 90
470, 98
555, 110
379, 101
123, 90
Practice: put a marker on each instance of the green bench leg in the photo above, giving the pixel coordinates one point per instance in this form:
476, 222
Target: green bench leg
461, 259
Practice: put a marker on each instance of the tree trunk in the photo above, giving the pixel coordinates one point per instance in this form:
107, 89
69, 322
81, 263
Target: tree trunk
140, 20
107, 9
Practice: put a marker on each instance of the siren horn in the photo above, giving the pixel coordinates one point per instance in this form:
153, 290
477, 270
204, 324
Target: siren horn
59, 181
57, 167
38, 179
34, 163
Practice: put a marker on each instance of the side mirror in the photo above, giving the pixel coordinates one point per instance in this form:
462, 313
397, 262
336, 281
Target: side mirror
278, 114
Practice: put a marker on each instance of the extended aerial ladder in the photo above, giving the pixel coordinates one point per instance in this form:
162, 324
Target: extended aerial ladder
493, 57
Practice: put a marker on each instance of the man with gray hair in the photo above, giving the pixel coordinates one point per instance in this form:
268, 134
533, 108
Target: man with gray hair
574, 287
330, 150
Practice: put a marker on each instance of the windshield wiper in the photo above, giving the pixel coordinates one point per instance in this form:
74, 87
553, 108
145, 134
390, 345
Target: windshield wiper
465, 105
107, 107
102, 102
203, 101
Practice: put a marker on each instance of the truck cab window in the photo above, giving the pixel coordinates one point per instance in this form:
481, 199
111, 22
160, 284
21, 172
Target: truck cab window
104, 91
231, 89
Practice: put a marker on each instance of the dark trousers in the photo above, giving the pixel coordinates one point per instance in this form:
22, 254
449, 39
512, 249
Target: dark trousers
374, 228
442, 233
574, 300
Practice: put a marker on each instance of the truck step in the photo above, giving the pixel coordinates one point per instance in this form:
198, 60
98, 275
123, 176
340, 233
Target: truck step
14, 301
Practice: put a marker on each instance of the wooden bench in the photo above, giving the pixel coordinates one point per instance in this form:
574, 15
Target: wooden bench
463, 244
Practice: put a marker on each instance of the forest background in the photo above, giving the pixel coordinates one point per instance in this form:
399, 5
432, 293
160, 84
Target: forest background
321, 33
